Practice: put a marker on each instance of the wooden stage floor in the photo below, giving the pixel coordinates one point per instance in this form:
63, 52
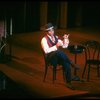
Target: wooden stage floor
25, 70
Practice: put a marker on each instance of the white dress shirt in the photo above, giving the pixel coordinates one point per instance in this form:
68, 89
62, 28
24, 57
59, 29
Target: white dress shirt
48, 49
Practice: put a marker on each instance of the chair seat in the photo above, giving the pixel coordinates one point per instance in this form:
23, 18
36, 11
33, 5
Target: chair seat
59, 67
93, 62
54, 68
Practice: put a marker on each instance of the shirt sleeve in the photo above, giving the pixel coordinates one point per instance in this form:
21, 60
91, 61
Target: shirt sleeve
46, 47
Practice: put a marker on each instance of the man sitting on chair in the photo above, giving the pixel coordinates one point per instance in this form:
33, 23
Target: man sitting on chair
50, 44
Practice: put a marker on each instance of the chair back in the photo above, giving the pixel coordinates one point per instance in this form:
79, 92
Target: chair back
44, 55
92, 50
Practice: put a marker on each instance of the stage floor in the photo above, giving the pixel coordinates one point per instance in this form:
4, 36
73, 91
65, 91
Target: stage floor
26, 67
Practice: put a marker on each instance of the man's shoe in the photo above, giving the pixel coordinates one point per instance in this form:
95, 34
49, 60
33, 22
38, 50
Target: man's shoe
69, 85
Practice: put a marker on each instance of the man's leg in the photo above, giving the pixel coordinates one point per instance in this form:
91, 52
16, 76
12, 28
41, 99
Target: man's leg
63, 59
62, 55
67, 70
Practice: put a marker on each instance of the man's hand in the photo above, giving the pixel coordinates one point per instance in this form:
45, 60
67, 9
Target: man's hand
59, 43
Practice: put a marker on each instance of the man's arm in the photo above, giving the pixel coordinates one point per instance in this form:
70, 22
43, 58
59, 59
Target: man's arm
46, 47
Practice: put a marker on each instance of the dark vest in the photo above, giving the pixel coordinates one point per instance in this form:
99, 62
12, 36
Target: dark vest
49, 41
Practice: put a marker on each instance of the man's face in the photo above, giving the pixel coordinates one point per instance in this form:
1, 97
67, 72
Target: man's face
51, 32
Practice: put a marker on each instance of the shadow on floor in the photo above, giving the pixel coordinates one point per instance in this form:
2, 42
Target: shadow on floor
10, 89
82, 96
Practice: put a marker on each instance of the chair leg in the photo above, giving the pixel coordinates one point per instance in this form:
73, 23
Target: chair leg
64, 75
45, 73
84, 70
54, 73
98, 70
88, 77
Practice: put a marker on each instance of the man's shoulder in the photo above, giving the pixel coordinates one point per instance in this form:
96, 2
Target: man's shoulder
43, 38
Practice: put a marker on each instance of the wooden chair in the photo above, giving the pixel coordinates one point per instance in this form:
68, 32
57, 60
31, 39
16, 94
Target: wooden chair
92, 50
54, 68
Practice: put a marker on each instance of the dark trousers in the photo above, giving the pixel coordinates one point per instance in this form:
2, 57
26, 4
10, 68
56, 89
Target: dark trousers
59, 57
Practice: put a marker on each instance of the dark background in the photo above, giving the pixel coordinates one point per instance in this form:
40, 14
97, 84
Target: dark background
26, 15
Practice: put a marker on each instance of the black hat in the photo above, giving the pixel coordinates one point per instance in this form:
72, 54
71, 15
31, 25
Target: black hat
47, 27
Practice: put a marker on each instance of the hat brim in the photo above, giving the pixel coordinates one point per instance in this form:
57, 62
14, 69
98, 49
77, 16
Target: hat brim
49, 28
43, 28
